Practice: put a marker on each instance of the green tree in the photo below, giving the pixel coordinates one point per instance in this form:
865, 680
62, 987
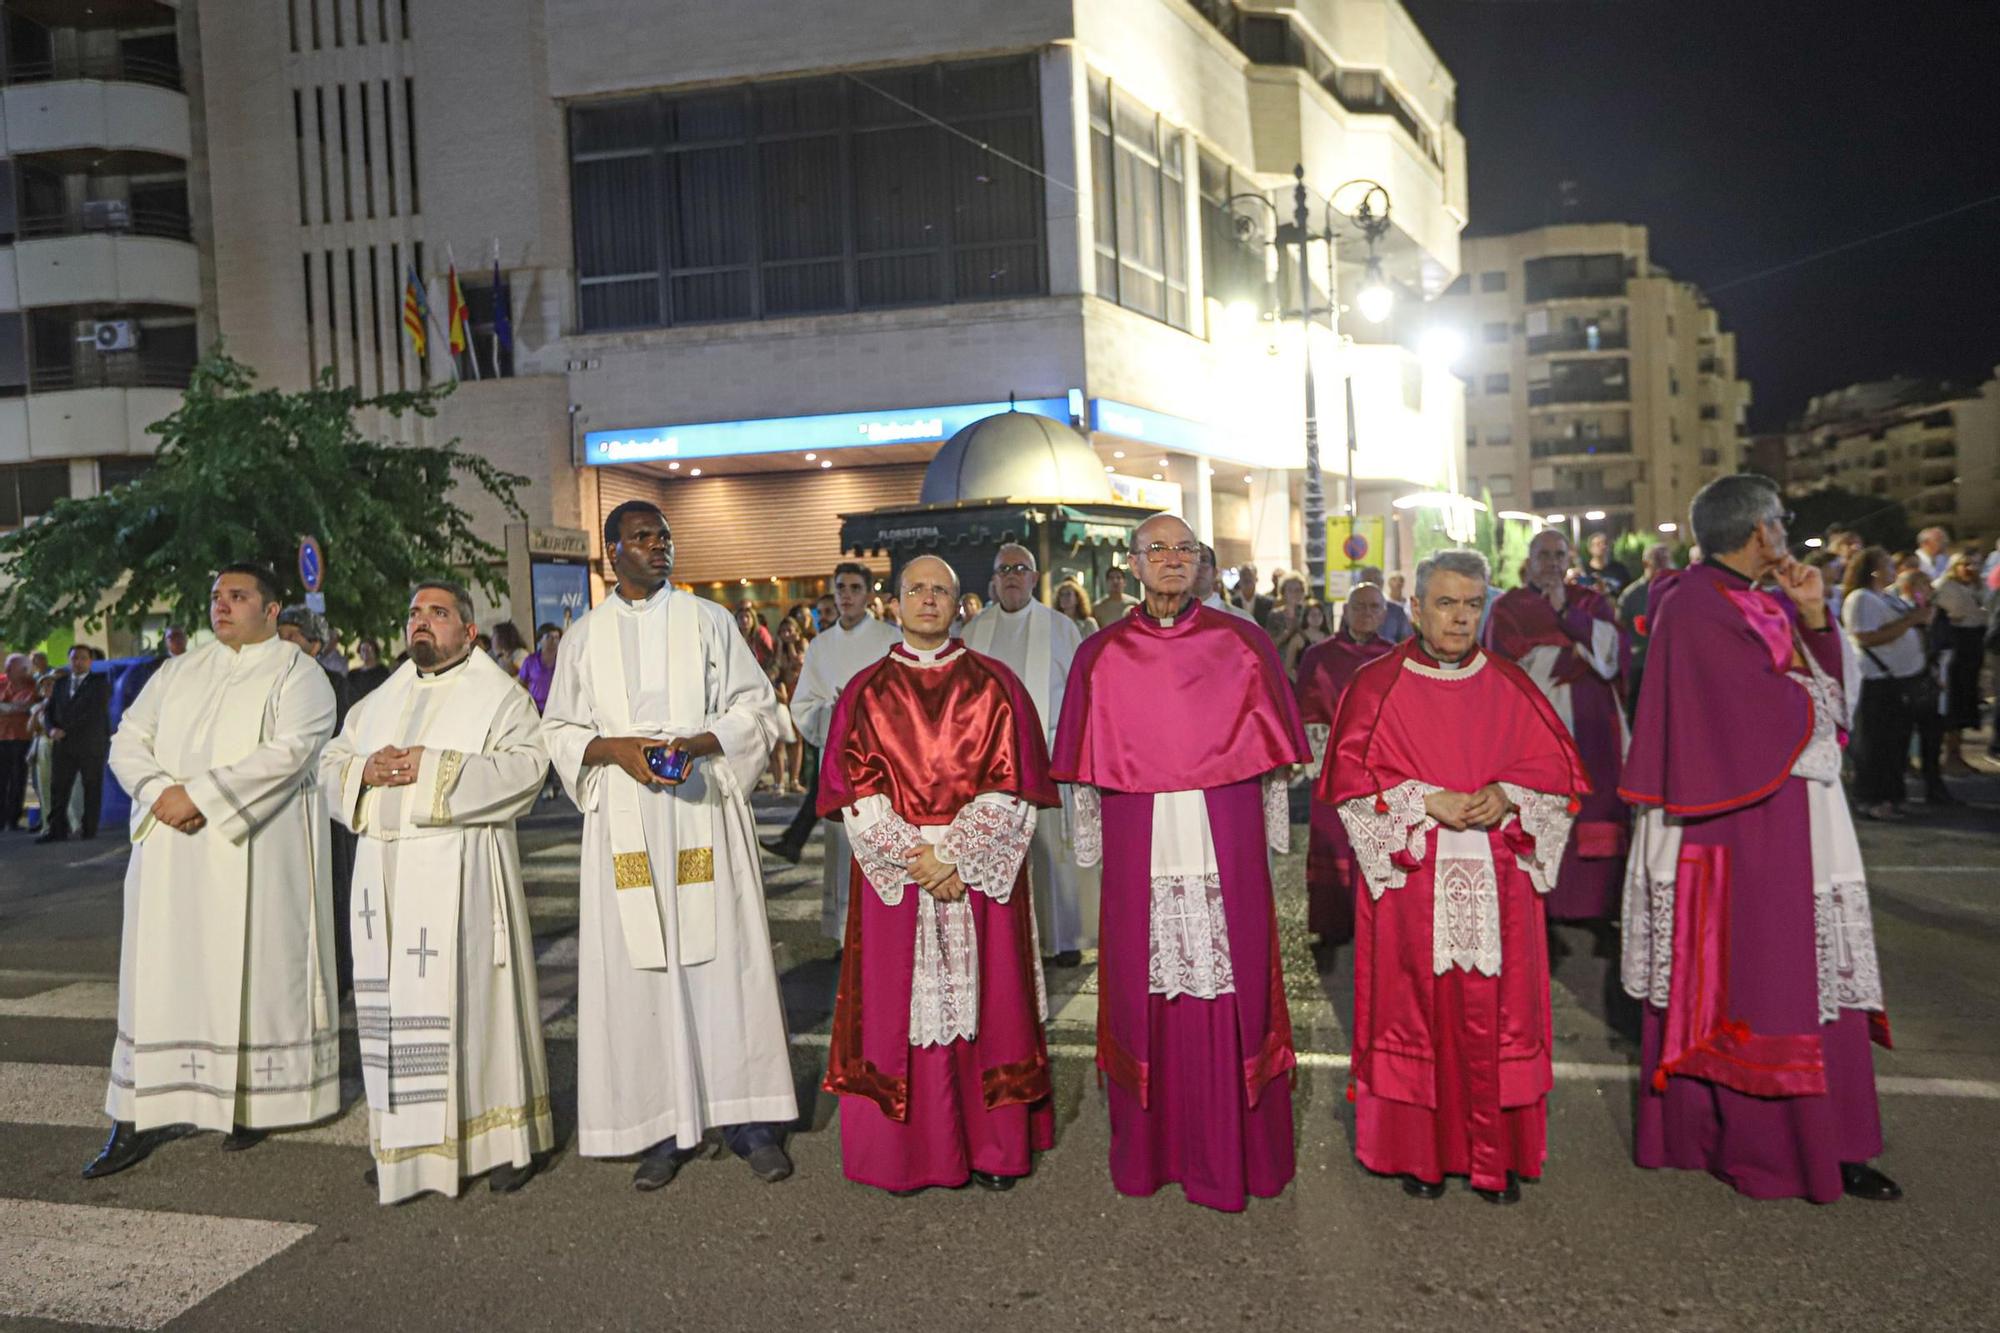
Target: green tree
1511, 551
242, 473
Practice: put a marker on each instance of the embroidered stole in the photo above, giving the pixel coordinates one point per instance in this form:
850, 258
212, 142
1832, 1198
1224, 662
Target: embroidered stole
635, 871
406, 951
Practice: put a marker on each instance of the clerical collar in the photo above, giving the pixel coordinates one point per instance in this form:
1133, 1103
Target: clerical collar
645, 604
1420, 660
928, 657
1186, 612
1735, 576
443, 670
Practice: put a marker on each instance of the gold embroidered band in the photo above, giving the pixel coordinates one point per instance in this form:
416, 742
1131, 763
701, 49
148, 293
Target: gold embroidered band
631, 870
449, 763
697, 866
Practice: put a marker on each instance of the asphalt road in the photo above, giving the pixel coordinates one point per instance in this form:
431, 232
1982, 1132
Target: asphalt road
287, 1236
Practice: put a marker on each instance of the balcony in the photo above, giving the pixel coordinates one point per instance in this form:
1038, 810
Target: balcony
83, 423
1551, 395
118, 370
1580, 447
1941, 449
112, 216
81, 119
1579, 340
107, 270
121, 67
1605, 497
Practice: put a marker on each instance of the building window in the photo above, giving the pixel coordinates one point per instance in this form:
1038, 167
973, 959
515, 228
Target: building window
115, 472
809, 195
483, 347
1499, 486
1138, 185
1495, 331
1496, 383
1500, 437
1495, 281
1563, 277
1232, 266
28, 493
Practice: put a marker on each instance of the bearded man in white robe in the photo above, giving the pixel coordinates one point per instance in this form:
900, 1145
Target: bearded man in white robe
226, 1014
839, 652
430, 772
1038, 643
658, 722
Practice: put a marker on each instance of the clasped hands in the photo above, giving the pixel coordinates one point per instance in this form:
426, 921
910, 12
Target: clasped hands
937, 878
629, 753
177, 810
1486, 808
392, 766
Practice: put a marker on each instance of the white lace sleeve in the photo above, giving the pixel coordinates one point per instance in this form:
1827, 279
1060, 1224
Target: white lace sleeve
1087, 833
883, 843
987, 842
1278, 810
1545, 817
1377, 835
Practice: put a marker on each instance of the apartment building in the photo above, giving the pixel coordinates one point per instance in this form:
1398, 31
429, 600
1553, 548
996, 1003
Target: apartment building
1934, 448
1596, 383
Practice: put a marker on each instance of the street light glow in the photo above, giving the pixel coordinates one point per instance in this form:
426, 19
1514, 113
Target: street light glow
1519, 515
1376, 301
1593, 515
1670, 527
1441, 346
1814, 543
1556, 518
1239, 317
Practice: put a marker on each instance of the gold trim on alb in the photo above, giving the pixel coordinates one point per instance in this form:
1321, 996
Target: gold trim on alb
631, 870
697, 866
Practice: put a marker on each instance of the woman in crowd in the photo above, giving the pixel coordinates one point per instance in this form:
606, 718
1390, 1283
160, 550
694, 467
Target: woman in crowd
969, 606
1074, 602
762, 646
539, 668
791, 752
1301, 632
508, 648
1961, 633
1889, 634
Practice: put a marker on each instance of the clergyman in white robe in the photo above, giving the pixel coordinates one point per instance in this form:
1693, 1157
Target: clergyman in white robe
1038, 644
680, 1026
834, 658
444, 984
226, 1013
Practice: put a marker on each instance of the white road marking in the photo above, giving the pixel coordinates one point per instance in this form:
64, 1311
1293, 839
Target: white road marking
78, 999
122, 1266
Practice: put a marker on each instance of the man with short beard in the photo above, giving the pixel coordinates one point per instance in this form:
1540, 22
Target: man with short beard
226, 1015
430, 773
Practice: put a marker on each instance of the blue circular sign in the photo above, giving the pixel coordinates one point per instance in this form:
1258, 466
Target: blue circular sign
312, 568
1355, 547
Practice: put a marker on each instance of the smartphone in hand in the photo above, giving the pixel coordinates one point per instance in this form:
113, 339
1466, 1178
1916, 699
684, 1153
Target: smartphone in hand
670, 766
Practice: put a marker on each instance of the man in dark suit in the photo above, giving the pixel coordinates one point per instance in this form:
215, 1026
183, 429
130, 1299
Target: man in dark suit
79, 722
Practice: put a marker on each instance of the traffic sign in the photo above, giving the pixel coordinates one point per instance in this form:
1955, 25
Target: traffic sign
312, 565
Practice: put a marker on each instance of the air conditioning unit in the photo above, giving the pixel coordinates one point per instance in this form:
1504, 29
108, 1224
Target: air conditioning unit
116, 335
107, 215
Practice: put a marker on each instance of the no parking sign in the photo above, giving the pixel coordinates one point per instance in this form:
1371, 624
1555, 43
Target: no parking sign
312, 574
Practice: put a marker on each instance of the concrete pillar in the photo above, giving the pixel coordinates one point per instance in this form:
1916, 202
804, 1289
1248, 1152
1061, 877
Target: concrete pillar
1271, 519
1066, 145
1191, 473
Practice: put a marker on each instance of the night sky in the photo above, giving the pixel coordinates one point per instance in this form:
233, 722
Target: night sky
1747, 135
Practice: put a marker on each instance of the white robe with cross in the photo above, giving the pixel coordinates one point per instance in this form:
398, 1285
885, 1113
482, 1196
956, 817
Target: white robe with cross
670, 1050
225, 972
473, 933
834, 658
1038, 644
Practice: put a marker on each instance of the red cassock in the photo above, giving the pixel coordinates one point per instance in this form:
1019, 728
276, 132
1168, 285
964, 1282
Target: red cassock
1523, 620
1331, 883
1450, 1069
930, 738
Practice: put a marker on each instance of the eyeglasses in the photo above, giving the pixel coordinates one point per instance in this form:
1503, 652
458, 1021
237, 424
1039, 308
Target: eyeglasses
1160, 551
1784, 518
1013, 569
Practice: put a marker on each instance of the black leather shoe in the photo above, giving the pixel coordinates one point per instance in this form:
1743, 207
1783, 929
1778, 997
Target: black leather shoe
126, 1147
1069, 958
242, 1139
770, 1164
781, 849
986, 1180
1858, 1180
507, 1178
371, 1177
1512, 1194
1423, 1189
53, 837
657, 1169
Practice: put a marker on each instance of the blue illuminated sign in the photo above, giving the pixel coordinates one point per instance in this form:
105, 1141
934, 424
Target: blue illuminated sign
774, 435
1169, 432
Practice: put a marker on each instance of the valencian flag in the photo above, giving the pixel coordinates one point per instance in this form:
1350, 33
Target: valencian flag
416, 313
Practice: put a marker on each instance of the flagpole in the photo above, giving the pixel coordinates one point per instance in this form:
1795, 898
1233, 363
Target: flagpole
455, 303
499, 295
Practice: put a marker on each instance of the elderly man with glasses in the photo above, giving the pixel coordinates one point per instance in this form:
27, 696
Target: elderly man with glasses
1180, 731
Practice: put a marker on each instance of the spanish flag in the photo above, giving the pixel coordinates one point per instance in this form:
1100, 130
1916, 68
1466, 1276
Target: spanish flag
455, 314
415, 313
